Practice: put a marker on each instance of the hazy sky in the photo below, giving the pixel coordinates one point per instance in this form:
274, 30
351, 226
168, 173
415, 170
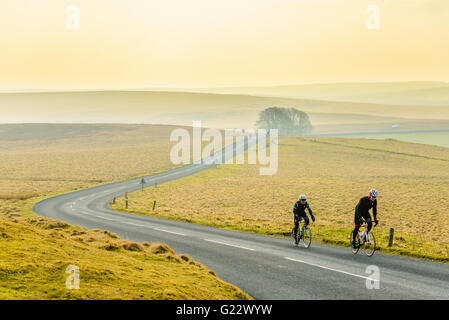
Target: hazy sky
185, 43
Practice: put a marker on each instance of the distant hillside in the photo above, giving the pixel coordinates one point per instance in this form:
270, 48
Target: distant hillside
398, 93
214, 110
135, 107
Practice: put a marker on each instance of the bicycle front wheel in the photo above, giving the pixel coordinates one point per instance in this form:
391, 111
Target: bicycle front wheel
354, 250
370, 245
307, 238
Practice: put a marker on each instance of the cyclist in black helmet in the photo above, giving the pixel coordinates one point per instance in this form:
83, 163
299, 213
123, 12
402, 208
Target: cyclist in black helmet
299, 211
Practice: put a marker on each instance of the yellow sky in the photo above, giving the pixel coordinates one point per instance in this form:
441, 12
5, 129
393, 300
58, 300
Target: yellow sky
185, 43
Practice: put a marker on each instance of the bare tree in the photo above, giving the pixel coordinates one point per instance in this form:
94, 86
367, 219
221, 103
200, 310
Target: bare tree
288, 121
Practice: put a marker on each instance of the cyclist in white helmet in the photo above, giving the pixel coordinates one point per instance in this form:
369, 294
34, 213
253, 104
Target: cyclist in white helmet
362, 211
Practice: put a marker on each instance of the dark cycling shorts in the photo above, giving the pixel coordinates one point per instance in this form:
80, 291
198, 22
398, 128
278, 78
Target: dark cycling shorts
299, 218
358, 218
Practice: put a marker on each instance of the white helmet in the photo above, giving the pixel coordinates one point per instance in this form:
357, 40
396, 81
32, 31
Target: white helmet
302, 197
373, 193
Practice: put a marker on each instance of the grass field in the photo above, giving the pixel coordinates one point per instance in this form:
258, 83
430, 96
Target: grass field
69, 157
435, 138
40, 161
334, 173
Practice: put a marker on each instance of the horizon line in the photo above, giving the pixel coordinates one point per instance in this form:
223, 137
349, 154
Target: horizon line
161, 88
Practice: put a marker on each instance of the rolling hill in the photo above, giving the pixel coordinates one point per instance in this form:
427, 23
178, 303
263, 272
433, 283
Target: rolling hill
215, 110
391, 93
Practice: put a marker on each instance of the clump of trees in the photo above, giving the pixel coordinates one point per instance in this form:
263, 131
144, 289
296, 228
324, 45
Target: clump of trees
287, 120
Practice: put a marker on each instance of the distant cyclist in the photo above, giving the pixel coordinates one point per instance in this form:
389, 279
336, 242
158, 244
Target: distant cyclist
362, 211
299, 211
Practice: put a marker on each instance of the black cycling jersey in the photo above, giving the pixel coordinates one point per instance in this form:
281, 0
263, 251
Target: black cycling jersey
300, 209
364, 205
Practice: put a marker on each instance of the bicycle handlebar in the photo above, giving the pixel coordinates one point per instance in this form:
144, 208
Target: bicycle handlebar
364, 222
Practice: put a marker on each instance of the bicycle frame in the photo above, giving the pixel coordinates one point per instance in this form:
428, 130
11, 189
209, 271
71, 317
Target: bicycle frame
301, 232
364, 235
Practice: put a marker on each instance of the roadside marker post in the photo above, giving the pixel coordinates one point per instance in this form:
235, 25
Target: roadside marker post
126, 202
390, 242
142, 182
154, 204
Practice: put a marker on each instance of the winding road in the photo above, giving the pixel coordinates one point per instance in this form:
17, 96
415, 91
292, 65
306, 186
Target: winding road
265, 267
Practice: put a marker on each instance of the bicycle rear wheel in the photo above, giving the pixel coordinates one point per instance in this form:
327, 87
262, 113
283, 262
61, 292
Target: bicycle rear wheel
354, 250
307, 237
370, 245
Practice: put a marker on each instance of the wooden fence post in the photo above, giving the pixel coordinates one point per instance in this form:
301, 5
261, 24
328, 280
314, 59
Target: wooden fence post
390, 242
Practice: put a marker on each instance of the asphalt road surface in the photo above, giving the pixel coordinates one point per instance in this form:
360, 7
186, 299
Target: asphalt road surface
265, 267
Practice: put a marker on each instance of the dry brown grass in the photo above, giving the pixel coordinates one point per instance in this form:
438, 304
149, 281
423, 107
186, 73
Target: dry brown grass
20, 196
38, 166
34, 251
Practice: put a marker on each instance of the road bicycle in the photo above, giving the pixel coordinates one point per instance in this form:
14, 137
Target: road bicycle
304, 236
364, 239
